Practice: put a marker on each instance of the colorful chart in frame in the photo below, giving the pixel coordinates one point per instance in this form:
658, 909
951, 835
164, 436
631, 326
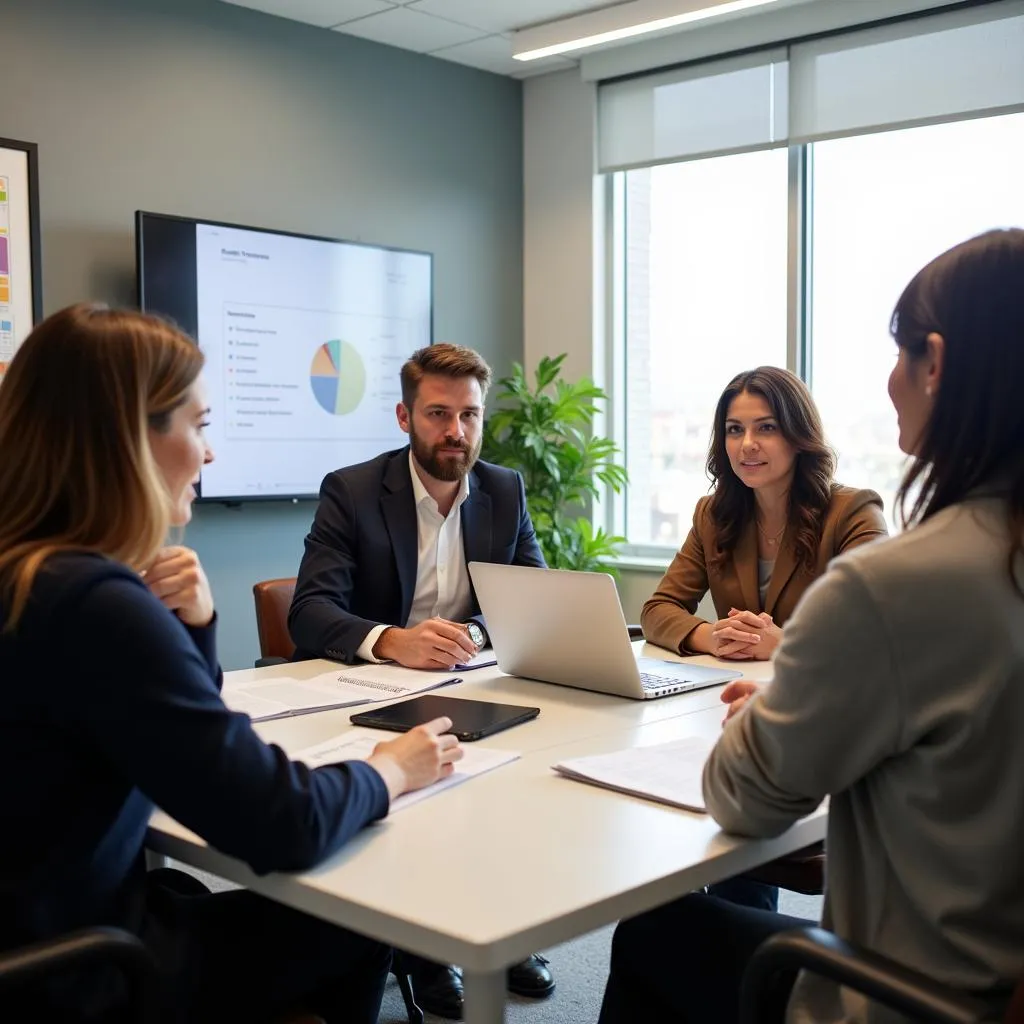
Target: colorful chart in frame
6, 311
338, 377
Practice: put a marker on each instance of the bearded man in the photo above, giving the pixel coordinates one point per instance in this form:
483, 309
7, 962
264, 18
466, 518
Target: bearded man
384, 577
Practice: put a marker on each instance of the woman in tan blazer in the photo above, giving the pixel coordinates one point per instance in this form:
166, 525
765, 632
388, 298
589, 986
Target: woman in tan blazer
775, 520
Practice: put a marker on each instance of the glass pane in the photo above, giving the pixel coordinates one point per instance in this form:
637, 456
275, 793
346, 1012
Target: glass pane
883, 206
705, 296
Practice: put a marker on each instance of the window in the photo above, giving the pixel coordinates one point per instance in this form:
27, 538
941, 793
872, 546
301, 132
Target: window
706, 264
741, 254
884, 205
704, 297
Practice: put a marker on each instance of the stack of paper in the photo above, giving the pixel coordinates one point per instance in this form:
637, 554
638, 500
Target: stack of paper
281, 697
669, 773
358, 744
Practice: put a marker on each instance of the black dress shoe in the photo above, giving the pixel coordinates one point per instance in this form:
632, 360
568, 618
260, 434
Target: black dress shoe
531, 978
438, 989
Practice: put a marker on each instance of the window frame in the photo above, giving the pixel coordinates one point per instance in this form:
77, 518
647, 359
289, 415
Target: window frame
611, 511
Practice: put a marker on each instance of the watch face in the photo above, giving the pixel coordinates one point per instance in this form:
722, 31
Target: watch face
476, 634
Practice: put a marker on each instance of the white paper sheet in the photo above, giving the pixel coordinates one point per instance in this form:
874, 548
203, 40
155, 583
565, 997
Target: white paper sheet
669, 773
281, 697
358, 744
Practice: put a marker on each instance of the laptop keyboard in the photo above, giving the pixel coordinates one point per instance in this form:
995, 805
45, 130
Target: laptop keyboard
653, 681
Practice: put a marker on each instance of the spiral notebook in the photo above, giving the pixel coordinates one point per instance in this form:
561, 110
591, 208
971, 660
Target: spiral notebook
271, 697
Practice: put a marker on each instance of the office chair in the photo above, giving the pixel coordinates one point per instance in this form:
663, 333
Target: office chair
273, 599
772, 970
89, 947
803, 871
97, 947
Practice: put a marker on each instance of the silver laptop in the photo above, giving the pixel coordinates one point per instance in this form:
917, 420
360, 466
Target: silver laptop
567, 628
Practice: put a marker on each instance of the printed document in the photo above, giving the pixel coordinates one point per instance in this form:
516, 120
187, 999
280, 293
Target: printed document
669, 773
272, 697
358, 744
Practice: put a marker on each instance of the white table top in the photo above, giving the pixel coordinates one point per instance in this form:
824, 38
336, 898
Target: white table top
518, 859
566, 713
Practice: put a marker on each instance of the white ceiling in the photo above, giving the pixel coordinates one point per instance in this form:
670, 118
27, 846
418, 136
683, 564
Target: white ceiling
473, 32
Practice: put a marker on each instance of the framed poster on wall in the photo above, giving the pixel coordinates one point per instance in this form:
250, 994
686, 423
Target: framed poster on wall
21, 300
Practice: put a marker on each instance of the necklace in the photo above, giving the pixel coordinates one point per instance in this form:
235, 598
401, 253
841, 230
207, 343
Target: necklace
768, 537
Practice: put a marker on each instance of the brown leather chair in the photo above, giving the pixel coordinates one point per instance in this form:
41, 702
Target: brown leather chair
803, 871
273, 599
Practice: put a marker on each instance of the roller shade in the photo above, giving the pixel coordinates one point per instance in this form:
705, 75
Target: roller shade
726, 107
945, 66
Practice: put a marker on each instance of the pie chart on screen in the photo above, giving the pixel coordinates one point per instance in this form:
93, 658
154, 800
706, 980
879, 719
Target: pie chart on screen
338, 377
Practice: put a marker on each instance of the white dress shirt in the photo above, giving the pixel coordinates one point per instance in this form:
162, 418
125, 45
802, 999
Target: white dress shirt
442, 580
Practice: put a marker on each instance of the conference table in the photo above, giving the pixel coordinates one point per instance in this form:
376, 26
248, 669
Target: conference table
518, 859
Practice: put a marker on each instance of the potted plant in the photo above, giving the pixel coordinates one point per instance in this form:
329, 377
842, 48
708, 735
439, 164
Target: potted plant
544, 431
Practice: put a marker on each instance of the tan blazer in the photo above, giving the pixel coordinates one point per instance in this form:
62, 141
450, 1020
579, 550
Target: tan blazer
853, 517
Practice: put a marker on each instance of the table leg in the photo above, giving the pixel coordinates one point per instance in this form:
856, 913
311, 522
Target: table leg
485, 996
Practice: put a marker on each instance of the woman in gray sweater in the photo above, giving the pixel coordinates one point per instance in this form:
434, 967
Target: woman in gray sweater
898, 691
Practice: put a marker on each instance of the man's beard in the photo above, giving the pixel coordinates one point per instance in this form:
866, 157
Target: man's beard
447, 468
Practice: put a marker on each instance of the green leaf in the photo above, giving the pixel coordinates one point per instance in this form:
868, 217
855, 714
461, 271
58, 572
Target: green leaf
545, 432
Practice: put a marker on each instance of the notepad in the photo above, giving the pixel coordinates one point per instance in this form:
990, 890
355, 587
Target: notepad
273, 697
357, 744
669, 773
484, 658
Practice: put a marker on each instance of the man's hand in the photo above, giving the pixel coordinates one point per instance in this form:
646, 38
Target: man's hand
434, 643
177, 579
417, 758
736, 694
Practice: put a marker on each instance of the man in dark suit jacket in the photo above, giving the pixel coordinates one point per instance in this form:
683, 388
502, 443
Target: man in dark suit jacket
384, 576
360, 566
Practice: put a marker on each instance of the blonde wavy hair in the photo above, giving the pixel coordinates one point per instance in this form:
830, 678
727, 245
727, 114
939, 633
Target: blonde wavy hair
76, 470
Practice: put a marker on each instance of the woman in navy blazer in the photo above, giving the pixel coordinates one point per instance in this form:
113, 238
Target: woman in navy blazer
110, 701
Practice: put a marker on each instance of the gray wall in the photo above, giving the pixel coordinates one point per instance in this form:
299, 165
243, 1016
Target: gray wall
205, 109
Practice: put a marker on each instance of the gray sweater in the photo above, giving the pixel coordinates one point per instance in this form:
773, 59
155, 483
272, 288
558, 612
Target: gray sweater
898, 691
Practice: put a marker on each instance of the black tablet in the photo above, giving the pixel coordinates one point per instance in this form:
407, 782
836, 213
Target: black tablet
471, 719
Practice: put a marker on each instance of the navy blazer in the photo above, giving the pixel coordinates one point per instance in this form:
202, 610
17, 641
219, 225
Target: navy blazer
359, 568
110, 705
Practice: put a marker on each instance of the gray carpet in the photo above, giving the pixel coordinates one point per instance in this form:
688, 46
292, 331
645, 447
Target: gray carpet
580, 968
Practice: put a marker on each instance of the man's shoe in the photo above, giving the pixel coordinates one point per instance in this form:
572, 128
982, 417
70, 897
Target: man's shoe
438, 991
531, 978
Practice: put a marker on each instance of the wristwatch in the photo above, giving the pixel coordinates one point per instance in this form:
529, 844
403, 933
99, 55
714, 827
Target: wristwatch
476, 634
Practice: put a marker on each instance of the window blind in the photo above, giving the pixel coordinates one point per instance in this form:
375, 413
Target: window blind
946, 66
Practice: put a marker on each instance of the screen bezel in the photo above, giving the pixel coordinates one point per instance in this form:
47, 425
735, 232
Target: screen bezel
140, 269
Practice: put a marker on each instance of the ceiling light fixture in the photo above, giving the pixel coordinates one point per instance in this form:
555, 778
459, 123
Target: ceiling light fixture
627, 32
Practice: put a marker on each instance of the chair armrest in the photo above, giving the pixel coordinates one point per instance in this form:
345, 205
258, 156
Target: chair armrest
877, 977
266, 662
635, 632
89, 947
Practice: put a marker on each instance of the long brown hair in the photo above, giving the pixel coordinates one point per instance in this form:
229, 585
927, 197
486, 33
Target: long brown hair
973, 297
76, 471
732, 504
